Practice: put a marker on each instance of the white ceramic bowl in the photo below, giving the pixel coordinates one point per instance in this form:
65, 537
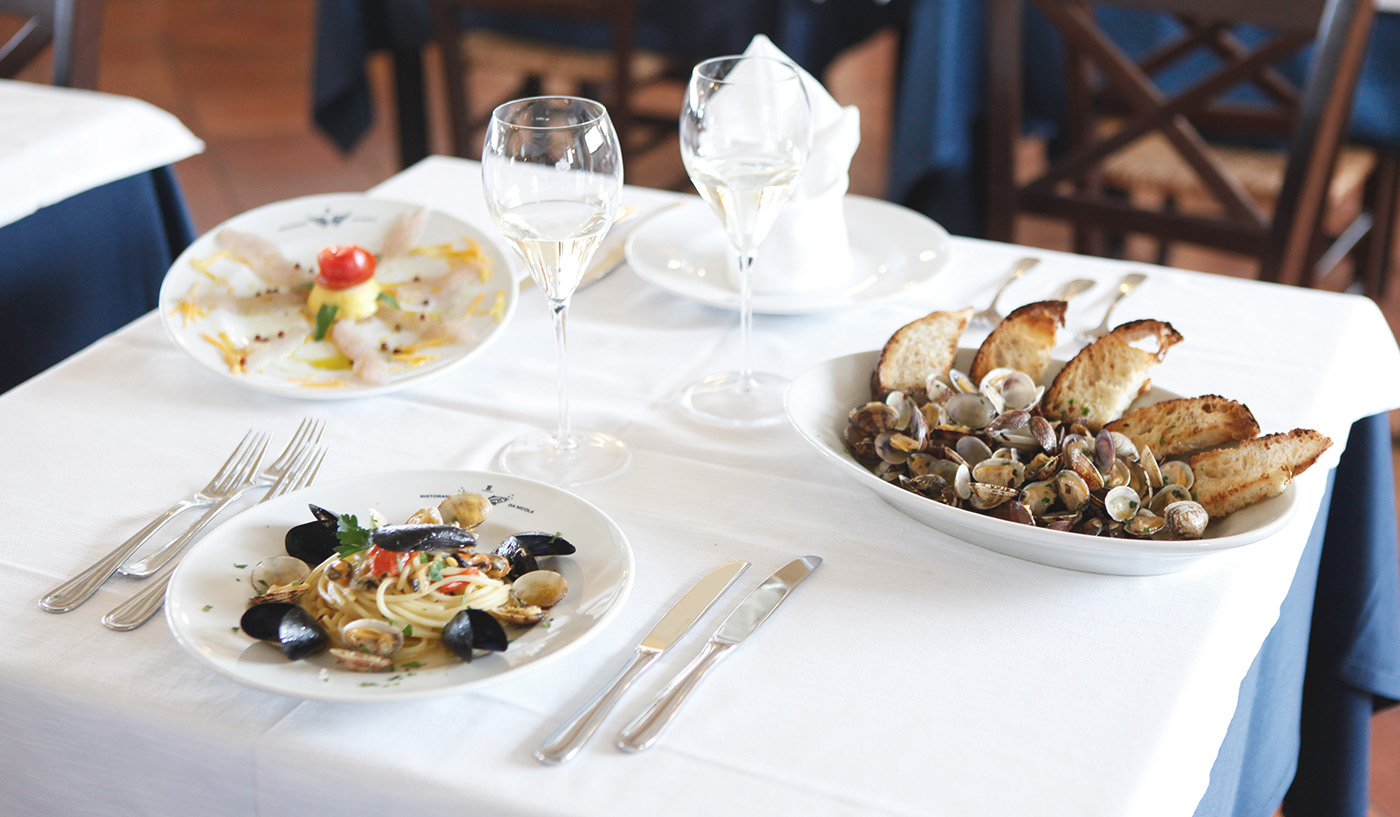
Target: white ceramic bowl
820, 399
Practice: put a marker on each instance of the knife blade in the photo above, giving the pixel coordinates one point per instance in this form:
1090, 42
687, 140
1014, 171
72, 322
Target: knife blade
564, 743
755, 609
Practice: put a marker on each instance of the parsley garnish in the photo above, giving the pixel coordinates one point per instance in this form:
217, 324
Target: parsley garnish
208, 607
435, 572
408, 631
386, 298
351, 536
325, 316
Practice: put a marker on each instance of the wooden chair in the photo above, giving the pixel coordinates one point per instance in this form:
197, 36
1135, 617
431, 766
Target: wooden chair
614, 74
1134, 153
72, 27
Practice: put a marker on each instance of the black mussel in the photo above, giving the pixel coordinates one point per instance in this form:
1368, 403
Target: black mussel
473, 630
293, 629
312, 542
261, 620
325, 516
402, 538
544, 544
300, 636
523, 548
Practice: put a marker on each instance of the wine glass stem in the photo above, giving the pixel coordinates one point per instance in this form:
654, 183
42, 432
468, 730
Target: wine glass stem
560, 310
746, 260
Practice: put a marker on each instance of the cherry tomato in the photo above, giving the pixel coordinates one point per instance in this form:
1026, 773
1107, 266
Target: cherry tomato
344, 267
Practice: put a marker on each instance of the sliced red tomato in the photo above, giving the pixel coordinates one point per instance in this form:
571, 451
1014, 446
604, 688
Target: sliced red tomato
344, 267
387, 562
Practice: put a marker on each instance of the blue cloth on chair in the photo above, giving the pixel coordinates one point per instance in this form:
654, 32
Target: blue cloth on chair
86, 266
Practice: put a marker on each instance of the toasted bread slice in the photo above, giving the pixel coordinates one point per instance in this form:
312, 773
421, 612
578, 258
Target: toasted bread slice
1022, 341
1228, 479
1100, 382
1187, 424
918, 349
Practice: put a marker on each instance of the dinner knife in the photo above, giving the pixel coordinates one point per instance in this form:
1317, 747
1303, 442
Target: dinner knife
561, 746
644, 730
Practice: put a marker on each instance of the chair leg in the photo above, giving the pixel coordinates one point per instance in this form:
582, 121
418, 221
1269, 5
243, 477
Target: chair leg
1374, 258
410, 106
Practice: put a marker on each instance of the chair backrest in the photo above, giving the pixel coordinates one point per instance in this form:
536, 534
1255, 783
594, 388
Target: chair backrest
1101, 79
619, 16
72, 27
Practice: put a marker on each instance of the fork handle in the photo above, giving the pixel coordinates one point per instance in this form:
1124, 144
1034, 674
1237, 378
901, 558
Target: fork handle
80, 588
136, 610
157, 559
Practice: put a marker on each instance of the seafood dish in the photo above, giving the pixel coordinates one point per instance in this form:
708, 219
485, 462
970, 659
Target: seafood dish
336, 296
384, 597
1067, 454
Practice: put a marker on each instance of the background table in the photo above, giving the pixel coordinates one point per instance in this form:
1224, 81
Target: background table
912, 674
91, 218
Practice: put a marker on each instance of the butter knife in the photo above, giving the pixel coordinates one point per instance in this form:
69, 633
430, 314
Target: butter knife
561, 746
643, 731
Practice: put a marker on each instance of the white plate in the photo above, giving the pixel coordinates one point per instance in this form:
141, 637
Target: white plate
820, 399
300, 228
209, 590
684, 251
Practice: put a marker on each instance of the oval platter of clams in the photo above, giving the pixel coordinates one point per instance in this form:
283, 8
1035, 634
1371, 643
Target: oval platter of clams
1081, 464
399, 585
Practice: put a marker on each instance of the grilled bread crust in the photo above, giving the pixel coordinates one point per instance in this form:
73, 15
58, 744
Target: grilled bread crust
917, 350
1022, 341
1227, 479
1097, 385
1187, 424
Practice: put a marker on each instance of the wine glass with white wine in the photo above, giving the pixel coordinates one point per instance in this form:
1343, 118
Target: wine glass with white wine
746, 134
552, 172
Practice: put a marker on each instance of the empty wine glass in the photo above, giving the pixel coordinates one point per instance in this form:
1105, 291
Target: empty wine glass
552, 172
746, 133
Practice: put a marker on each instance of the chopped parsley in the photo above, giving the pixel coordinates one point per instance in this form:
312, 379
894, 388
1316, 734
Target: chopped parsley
386, 298
208, 607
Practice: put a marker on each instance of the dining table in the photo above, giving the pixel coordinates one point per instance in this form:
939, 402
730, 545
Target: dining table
913, 673
91, 217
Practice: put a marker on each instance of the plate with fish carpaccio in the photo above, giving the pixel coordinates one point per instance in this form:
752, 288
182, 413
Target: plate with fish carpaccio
337, 296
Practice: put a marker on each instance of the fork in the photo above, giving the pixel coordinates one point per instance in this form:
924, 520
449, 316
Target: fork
990, 316
1125, 288
307, 434
80, 588
138, 609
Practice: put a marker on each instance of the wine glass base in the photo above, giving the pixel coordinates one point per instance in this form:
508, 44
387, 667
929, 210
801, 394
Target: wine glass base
737, 399
589, 456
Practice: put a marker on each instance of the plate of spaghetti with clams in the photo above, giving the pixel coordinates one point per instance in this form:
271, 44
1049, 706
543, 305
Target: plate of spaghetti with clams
399, 585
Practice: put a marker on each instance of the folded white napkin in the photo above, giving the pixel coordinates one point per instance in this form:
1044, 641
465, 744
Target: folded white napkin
808, 248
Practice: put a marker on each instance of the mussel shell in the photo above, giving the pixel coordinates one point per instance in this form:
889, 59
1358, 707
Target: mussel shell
473, 630
538, 543
324, 515
300, 636
412, 538
314, 542
296, 632
261, 620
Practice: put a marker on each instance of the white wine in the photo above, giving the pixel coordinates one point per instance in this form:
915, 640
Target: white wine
747, 192
556, 239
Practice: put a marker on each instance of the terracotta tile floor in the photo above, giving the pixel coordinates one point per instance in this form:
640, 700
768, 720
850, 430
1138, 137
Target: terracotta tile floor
238, 74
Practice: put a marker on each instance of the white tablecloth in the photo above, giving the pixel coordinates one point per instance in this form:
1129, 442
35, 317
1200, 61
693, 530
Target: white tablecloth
57, 142
913, 674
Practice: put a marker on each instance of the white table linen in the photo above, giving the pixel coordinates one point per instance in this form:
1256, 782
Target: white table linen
58, 142
912, 674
